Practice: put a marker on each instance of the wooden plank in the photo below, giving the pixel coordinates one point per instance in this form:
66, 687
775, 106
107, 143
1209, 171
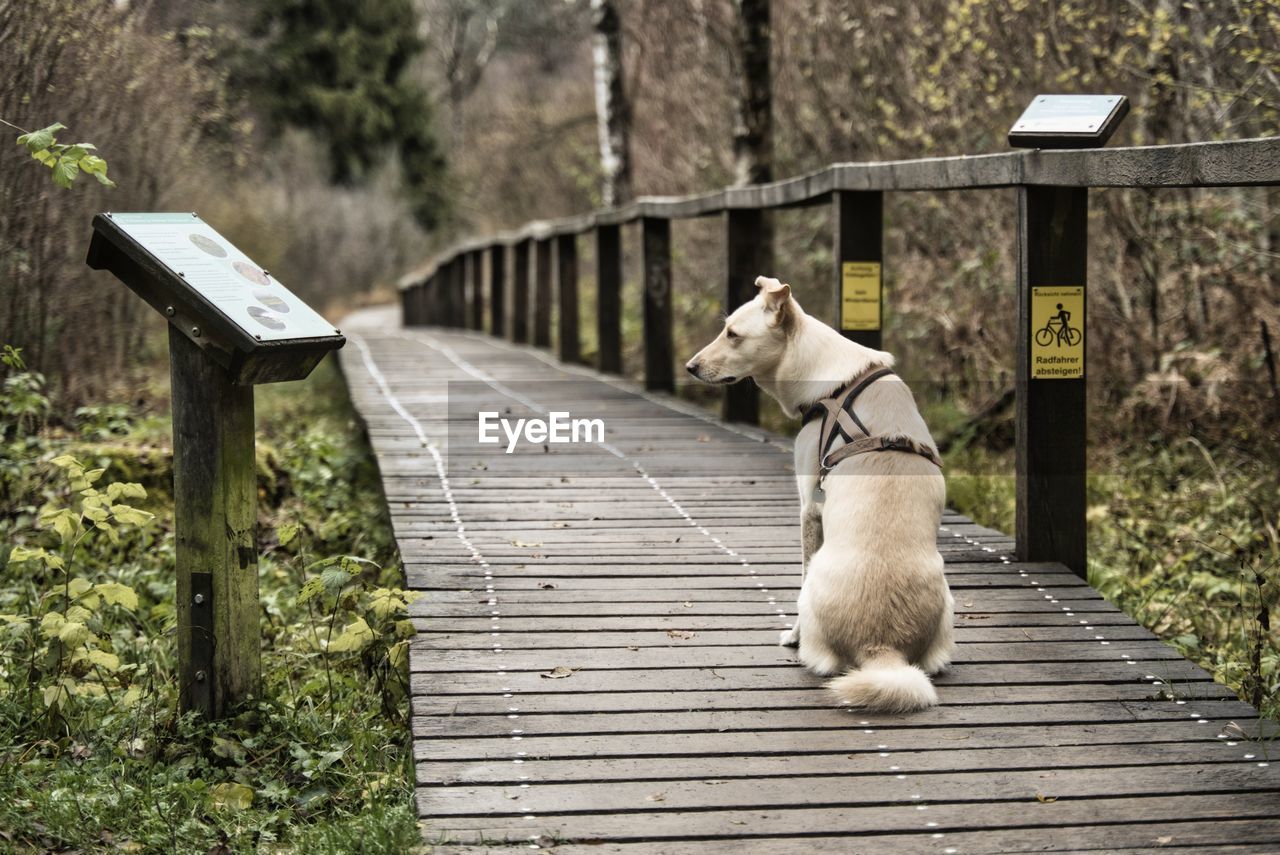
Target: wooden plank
812, 696
867, 761
877, 740
1050, 413
430, 638
609, 298
1172, 832
835, 791
812, 718
1162, 674
567, 296
659, 350
801, 822
737, 657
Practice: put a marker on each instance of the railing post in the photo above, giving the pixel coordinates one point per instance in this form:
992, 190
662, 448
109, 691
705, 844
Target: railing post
859, 252
431, 300
567, 296
520, 292
476, 320
609, 298
406, 306
498, 289
458, 296
658, 349
749, 253
542, 293
448, 306
1050, 376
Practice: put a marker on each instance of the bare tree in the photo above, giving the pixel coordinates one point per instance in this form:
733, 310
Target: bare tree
465, 33
613, 111
753, 133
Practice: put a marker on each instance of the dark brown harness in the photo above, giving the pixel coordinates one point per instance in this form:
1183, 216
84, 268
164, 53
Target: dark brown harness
840, 419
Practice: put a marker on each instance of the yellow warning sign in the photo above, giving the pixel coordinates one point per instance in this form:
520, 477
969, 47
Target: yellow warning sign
1057, 333
860, 295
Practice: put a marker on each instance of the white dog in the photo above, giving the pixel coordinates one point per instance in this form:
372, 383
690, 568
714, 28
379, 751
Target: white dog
874, 606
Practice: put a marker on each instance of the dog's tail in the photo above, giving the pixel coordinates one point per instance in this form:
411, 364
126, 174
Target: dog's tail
885, 683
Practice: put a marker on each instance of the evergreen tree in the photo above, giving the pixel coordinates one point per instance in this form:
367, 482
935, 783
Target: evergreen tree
338, 68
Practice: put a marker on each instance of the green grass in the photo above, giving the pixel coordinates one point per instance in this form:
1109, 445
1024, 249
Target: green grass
321, 762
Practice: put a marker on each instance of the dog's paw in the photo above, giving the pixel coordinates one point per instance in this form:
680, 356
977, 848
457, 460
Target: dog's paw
789, 637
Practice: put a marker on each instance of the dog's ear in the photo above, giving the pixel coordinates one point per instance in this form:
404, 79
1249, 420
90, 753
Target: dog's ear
775, 293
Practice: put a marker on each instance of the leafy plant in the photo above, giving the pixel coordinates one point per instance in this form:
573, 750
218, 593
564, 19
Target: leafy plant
377, 634
63, 641
66, 161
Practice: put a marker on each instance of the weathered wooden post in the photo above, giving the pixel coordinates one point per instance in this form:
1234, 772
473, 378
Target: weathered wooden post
431, 304
658, 348
421, 302
498, 289
231, 325
858, 249
1050, 376
460, 305
542, 293
475, 320
520, 292
567, 297
609, 297
455, 305
406, 306
749, 251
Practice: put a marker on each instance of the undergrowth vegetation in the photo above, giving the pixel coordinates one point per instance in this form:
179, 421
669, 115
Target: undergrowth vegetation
93, 752
1181, 537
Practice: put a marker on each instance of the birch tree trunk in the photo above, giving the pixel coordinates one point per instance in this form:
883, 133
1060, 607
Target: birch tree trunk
613, 111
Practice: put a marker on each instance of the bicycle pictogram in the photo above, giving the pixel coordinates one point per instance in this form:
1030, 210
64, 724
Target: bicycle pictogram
1058, 330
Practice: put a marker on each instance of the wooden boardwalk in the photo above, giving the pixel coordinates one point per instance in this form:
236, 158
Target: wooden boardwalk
597, 667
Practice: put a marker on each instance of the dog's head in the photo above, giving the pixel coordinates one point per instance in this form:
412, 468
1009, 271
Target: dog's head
754, 337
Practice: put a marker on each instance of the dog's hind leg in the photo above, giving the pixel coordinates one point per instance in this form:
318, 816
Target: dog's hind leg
810, 540
938, 657
810, 536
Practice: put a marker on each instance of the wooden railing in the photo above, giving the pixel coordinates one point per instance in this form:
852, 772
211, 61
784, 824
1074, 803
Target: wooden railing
1051, 243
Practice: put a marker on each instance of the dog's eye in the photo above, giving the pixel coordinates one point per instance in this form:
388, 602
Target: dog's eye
731, 334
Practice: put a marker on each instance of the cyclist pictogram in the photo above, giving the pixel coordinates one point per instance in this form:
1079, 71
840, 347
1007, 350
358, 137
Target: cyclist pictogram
1058, 330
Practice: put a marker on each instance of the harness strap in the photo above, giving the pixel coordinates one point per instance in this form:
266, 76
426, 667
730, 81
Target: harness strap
838, 416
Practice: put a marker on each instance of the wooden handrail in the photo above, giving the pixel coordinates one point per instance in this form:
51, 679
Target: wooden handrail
1052, 198
1238, 163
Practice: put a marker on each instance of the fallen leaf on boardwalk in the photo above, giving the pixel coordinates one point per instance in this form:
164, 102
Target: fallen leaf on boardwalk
702, 437
546, 584
559, 673
657, 797
525, 544
1045, 800
1165, 839
687, 604
559, 525
680, 633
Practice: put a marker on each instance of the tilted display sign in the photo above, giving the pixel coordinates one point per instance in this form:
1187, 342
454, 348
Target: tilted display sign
231, 325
